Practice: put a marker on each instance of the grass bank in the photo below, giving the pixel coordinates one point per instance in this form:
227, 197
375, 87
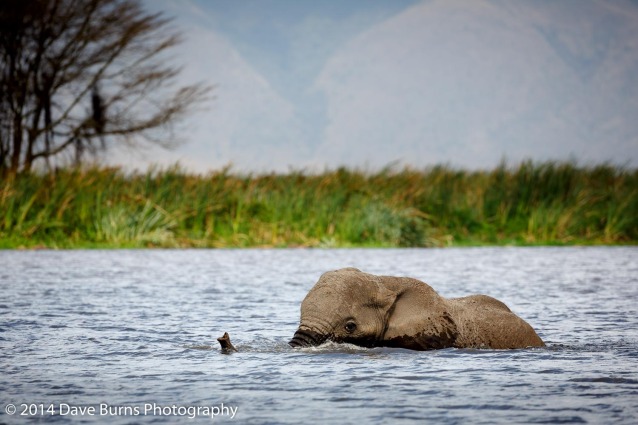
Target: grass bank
531, 203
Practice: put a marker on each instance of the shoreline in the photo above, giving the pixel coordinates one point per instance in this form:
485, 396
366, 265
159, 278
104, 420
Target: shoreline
532, 204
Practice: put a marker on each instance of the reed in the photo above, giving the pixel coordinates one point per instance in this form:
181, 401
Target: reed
531, 203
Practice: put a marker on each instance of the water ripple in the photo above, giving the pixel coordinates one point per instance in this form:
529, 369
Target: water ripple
135, 327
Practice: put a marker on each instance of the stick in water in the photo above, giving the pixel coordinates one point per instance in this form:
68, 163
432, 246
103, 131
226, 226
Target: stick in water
227, 346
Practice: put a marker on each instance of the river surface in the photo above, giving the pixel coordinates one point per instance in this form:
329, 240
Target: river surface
129, 336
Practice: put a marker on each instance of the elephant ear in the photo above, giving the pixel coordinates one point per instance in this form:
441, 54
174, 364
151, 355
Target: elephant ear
419, 321
349, 269
384, 300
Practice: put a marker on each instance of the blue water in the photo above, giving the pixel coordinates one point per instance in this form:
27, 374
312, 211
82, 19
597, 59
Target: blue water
132, 336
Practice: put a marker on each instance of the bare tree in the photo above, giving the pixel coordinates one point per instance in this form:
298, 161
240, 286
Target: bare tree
79, 76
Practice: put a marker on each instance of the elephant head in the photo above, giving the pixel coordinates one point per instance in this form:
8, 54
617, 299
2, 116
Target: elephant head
350, 306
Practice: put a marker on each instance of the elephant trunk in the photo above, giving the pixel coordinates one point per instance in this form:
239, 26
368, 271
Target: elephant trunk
306, 338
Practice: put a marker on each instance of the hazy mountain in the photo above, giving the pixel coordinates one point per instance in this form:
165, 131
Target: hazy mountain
470, 81
464, 82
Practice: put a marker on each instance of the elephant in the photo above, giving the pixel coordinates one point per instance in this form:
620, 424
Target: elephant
350, 306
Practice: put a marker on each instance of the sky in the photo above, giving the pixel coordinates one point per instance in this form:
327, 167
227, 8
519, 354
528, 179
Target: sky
314, 85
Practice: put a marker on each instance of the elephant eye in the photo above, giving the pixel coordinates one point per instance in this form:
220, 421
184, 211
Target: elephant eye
351, 326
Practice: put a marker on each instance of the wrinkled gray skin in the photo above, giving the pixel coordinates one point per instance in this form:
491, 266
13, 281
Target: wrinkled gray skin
348, 305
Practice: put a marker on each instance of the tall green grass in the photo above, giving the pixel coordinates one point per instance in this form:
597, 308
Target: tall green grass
532, 203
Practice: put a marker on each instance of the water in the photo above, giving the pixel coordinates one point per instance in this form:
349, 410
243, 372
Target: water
125, 331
